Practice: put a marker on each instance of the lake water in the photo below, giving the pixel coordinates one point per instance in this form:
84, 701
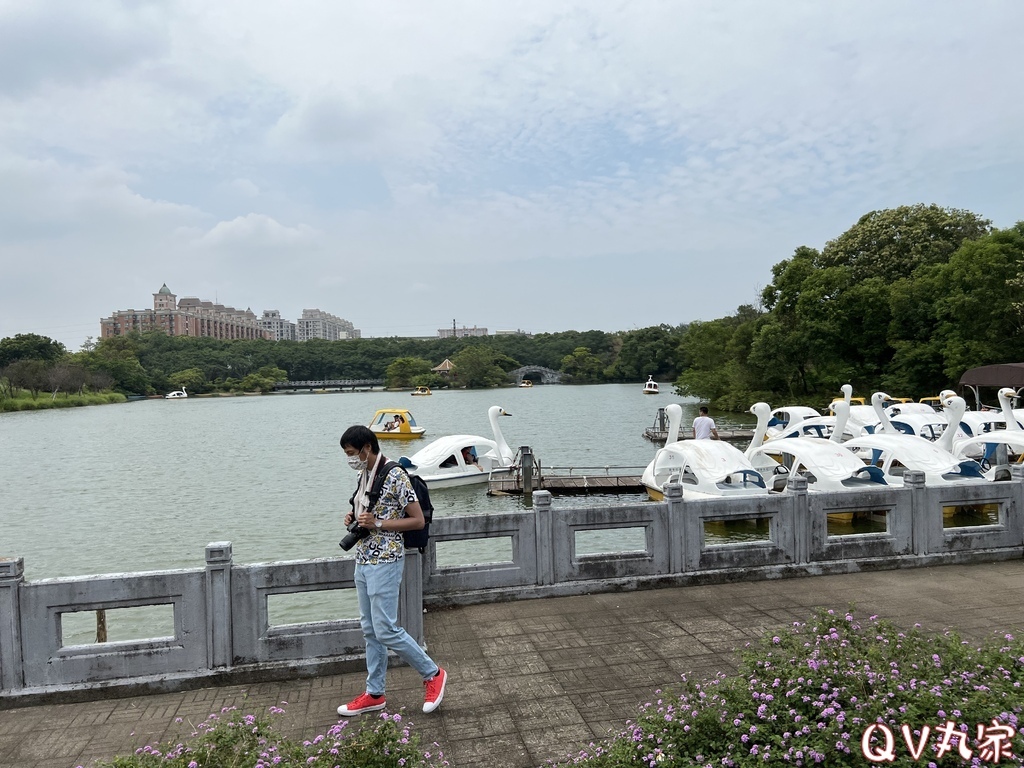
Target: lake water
147, 485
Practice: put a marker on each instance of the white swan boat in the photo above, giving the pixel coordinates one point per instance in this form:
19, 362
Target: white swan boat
835, 428
177, 394
782, 418
704, 468
827, 465
995, 449
651, 387
457, 460
895, 454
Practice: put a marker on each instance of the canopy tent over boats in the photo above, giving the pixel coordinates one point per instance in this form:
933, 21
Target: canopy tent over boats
1000, 375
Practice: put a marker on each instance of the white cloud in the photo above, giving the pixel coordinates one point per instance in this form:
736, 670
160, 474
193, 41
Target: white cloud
256, 231
442, 139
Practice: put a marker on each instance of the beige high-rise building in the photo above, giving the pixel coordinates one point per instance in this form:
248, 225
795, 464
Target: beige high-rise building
188, 317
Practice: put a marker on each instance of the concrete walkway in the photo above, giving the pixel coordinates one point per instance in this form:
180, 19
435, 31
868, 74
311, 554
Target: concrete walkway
536, 680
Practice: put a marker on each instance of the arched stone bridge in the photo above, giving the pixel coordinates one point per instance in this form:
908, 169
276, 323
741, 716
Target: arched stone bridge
536, 373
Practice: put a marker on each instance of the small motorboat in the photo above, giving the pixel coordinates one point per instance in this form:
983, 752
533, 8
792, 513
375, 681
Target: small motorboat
395, 424
651, 387
457, 460
177, 394
421, 392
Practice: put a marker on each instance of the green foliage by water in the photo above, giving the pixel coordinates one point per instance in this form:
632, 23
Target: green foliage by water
905, 300
232, 739
26, 402
808, 695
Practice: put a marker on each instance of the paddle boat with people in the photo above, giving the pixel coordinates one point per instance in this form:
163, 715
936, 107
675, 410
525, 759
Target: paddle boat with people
395, 424
651, 387
456, 460
178, 394
421, 392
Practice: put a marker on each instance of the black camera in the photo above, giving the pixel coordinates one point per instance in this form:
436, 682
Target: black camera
355, 533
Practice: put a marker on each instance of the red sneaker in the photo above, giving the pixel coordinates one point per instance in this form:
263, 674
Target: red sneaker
364, 702
434, 690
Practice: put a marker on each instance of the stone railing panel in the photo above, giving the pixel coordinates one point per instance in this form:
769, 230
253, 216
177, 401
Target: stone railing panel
48, 662
521, 571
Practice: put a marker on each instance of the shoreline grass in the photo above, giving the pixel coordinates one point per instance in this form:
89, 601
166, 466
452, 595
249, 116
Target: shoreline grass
25, 402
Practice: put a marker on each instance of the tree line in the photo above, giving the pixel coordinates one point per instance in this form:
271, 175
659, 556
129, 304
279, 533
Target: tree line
905, 300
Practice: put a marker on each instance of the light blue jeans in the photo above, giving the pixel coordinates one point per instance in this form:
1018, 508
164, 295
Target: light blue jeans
377, 587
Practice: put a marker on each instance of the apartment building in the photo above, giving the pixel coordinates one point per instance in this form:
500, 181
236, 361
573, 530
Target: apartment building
195, 317
188, 317
460, 333
279, 328
317, 324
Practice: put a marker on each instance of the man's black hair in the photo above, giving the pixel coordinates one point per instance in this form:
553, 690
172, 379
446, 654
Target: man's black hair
704, 410
357, 436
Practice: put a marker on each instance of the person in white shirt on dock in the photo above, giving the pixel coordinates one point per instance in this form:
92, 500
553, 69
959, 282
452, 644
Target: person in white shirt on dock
704, 426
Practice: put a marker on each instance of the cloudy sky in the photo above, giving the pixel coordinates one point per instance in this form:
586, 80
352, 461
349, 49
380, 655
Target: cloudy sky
541, 164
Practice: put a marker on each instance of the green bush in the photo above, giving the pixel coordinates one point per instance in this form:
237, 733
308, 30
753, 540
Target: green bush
233, 739
837, 692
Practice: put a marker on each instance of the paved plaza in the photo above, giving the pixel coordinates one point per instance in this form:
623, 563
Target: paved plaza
535, 680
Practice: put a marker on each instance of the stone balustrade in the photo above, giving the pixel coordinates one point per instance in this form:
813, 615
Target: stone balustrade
222, 630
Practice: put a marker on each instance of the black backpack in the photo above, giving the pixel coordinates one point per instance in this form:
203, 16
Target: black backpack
413, 539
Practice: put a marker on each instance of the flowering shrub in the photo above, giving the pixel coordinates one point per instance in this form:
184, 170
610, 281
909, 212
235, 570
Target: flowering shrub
834, 691
235, 740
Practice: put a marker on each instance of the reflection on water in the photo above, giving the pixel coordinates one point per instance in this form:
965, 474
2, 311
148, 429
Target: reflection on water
970, 515
733, 531
856, 522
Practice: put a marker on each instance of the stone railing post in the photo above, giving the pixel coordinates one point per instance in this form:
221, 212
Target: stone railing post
410, 599
12, 670
679, 560
803, 525
544, 527
923, 521
1015, 509
220, 650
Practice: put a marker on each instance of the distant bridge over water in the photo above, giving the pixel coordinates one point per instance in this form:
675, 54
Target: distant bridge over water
536, 373
327, 385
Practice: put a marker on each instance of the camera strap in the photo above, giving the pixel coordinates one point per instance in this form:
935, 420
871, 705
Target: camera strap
361, 499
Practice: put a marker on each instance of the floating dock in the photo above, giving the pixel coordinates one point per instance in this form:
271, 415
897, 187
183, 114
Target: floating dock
658, 433
725, 433
529, 476
568, 484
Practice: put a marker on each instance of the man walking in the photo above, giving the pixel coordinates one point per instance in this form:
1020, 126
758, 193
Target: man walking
380, 562
704, 426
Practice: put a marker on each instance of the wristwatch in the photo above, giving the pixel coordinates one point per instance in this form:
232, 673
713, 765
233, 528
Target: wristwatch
378, 522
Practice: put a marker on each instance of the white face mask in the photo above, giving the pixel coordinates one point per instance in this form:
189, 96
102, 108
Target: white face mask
356, 463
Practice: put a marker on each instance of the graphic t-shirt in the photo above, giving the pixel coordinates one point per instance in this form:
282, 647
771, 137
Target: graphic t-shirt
382, 546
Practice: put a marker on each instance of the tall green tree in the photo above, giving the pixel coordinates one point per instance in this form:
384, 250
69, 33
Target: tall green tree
582, 366
475, 368
652, 351
981, 312
404, 370
30, 346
